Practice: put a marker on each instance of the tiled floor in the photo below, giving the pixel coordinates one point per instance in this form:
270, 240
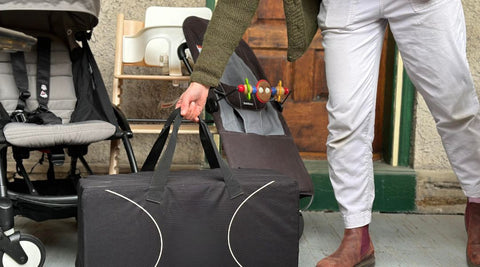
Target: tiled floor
399, 239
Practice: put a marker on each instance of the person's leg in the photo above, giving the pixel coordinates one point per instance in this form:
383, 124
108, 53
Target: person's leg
432, 40
352, 59
433, 47
352, 38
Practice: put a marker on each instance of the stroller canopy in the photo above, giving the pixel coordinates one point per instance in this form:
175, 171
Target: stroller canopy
59, 17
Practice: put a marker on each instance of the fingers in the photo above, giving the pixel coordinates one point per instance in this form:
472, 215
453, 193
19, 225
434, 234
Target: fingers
189, 109
190, 114
191, 102
193, 116
184, 106
179, 102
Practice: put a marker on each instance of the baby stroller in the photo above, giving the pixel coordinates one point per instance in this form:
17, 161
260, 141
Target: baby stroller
251, 126
52, 99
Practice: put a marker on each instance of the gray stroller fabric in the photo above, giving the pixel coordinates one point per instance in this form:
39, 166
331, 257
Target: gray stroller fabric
37, 135
41, 15
62, 97
262, 122
62, 102
59, 17
91, 8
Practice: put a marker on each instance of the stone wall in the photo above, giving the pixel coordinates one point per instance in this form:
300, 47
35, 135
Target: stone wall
437, 187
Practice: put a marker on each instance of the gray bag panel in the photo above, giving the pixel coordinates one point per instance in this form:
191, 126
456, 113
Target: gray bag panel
235, 66
35, 135
62, 97
263, 122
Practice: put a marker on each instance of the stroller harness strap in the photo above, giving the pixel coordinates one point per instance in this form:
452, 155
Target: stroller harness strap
43, 72
41, 115
21, 79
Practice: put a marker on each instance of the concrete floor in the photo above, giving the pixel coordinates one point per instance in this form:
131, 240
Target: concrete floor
399, 239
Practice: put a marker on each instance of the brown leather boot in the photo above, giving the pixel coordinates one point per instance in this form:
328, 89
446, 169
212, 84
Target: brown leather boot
356, 250
472, 223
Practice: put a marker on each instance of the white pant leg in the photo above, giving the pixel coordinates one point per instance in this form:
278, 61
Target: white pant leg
431, 38
352, 38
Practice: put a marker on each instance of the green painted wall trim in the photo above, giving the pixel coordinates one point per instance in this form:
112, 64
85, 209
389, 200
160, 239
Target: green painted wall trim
406, 117
394, 188
210, 4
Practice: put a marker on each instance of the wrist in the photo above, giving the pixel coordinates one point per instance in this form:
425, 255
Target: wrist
199, 85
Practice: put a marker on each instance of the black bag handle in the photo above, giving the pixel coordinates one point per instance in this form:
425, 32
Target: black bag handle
160, 175
154, 155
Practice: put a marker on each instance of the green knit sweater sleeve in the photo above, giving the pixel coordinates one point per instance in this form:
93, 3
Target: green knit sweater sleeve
225, 30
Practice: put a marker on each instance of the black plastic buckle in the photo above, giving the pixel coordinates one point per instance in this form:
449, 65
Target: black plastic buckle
19, 116
24, 95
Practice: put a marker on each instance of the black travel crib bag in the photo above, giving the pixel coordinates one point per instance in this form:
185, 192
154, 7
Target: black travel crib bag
211, 217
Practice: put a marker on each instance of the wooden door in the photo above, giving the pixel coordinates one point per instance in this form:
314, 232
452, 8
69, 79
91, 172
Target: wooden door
305, 110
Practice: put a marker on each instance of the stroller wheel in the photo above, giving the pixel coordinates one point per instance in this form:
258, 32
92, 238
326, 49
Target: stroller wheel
34, 249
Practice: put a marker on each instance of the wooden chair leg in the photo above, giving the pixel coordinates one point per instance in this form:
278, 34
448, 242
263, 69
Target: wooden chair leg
114, 153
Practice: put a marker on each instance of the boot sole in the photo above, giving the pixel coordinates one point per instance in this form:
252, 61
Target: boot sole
367, 262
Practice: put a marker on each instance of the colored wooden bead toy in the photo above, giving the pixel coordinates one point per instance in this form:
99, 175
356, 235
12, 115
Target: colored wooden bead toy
263, 91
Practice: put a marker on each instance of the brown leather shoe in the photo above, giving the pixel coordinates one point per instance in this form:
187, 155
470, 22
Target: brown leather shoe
356, 250
472, 223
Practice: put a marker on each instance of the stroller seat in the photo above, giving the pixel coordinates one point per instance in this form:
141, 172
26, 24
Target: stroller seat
79, 133
61, 102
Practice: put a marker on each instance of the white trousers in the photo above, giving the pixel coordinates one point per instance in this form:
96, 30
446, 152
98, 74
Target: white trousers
430, 35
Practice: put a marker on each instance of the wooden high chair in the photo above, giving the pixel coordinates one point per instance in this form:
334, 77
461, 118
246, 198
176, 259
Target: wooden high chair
128, 30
